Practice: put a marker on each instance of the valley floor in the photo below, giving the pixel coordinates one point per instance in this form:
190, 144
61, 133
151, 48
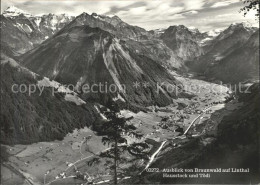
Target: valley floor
64, 161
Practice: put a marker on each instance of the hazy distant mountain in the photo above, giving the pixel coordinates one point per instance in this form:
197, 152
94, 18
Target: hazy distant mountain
232, 37
208, 37
23, 31
38, 118
81, 54
12, 11
240, 65
15, 37
232, 43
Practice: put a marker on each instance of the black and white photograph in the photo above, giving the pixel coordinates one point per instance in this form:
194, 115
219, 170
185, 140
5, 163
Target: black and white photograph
130, 92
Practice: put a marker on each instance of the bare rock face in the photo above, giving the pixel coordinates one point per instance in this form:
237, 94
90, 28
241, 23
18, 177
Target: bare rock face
81, 54
240, 65
232, 37
23, 31
183, 42
113, 25
232, 56
156, 50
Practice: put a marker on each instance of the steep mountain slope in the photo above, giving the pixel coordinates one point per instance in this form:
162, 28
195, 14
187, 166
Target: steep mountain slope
28, 118
183, 42
138, 40
208, 38
51, 23
5, 49
23, 31
197, 35
240, 65
156, 50
232, 38
15, 37
84, 55
113, 25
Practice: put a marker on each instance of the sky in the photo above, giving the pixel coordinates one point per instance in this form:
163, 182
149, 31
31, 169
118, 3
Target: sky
150, 14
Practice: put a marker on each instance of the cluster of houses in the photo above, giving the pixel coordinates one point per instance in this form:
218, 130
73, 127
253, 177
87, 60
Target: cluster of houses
62, 175
176, 120
84, 176
192, 109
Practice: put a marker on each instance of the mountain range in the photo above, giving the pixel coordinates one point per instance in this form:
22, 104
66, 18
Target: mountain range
84, 55
98, 49
22, 31
184, 42
232, 56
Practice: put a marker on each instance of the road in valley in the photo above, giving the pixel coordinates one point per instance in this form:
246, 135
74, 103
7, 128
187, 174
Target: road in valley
194, 120
181, 137
153, 156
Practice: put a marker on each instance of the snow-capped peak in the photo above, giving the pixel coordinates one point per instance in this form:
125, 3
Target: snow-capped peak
14, 11
159, 30
214, 33
244, 24
193, 29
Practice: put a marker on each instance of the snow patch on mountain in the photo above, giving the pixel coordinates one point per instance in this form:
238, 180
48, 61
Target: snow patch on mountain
211, 35
159, 31
214, 33
14, 11
23, 27
38, 21
100, 17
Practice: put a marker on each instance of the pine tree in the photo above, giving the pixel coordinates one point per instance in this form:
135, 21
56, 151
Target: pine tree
116, 128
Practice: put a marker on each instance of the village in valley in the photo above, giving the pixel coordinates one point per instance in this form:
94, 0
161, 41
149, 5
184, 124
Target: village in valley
67, 160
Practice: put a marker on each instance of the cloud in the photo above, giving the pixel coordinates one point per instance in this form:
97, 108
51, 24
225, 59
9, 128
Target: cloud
149, 14
194, 4
223, 3
189, 12
115, 9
